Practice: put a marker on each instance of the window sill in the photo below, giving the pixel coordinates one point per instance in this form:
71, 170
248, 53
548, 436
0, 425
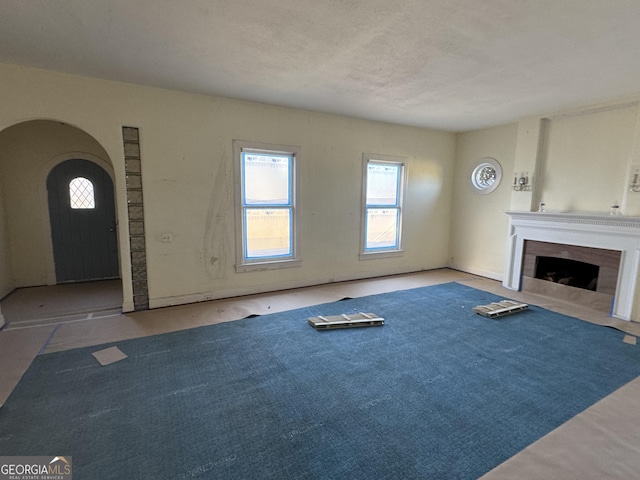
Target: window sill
268, 265
381, 254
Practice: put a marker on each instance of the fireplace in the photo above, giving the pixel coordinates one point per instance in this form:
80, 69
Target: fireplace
589, 259
584, 275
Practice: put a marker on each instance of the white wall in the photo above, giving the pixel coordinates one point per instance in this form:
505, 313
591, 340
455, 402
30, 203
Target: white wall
479, 226
186, 145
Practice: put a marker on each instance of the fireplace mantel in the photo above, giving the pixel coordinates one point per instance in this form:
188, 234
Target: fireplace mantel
592, 220
619, 232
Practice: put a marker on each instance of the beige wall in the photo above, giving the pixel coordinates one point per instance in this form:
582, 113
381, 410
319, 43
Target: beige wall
479, 226
28, 152
189, 192
578, 160
6, 280
6, 284
186, 145
191, 195
582, 160
584, 167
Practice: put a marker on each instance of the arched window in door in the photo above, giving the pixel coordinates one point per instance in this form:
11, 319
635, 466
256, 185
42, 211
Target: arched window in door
81, 194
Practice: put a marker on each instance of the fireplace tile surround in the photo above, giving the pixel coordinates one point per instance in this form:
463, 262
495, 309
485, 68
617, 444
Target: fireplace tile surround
620, 233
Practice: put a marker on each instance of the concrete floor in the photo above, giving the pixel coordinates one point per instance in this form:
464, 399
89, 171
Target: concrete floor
36, 306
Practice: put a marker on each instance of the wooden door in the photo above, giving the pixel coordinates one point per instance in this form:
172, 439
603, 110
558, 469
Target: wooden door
83, 222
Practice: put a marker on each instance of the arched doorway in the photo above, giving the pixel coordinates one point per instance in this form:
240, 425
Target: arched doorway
33, 288
83, 222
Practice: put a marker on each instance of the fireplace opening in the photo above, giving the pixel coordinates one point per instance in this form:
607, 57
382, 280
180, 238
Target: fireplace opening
587, 276
567, 272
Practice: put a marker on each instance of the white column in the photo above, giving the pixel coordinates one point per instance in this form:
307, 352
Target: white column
530, 157
631, 200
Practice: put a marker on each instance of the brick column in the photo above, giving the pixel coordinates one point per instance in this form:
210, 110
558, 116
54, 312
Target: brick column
133, 171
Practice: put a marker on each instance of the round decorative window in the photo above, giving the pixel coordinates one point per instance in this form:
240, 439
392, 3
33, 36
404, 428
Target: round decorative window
486, 176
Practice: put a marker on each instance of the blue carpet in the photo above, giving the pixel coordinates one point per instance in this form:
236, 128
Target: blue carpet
438, 392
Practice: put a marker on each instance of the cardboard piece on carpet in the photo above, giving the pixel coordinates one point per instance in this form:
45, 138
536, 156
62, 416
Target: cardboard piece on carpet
109, 355
630, 339
346, 321
498, 309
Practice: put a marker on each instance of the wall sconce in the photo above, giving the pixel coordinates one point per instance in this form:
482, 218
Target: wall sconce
521, 183
634, 186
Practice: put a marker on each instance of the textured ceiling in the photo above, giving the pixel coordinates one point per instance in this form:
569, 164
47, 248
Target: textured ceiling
448, 64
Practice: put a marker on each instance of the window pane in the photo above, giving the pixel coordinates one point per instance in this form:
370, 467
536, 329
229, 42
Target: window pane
81, 193
268, 232
266, 179
382, 228
382, 184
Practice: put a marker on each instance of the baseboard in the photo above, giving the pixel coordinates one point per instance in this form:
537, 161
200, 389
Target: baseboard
479, 272
173, 301
161, 302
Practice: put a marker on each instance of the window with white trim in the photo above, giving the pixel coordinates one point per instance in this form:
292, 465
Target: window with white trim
384, 179
266, 207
